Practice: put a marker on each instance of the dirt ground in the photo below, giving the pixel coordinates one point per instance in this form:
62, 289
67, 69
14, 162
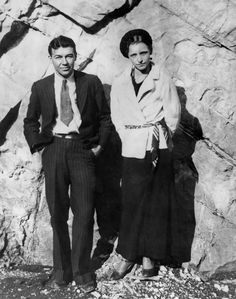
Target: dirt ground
25, 282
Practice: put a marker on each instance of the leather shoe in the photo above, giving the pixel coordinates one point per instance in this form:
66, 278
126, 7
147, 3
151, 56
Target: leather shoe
54, 283
88, 287
149, 272
124, 267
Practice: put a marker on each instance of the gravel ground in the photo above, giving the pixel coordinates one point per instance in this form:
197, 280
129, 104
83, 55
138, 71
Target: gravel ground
25, 282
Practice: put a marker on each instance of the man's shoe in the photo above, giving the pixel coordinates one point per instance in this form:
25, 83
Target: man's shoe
54, 284
88, 287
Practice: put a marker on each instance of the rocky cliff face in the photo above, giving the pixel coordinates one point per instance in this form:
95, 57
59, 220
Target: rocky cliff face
196, 41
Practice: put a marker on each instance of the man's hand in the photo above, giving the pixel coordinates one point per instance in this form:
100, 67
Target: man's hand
96, 150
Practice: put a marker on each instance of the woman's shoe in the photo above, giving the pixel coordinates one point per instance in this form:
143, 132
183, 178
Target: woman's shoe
149, 268
123, 268
149, 272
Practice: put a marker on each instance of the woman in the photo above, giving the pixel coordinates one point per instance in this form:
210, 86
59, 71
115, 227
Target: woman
145, 110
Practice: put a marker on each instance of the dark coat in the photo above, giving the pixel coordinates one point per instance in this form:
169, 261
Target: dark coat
42, 112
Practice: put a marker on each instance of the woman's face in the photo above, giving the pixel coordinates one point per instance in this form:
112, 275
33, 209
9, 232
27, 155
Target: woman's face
139, 54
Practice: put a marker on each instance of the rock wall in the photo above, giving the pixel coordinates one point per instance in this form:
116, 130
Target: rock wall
196, 41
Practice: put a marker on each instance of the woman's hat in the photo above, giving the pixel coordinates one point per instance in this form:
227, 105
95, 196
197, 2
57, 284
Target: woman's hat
132, 36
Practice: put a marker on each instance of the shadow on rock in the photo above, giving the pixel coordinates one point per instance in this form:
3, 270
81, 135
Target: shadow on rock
186, 176
7, 122
108, 195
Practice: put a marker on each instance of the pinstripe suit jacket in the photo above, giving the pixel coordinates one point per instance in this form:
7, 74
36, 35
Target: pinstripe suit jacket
42, 112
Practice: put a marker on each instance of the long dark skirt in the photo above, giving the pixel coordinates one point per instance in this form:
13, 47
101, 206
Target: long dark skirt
147, 220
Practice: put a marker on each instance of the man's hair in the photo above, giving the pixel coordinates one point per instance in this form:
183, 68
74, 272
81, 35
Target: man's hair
61, 41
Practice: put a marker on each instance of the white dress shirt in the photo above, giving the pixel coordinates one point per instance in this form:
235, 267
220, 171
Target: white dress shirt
60, 127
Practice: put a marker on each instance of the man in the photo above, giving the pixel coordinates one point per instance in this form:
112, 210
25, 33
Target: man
68, 124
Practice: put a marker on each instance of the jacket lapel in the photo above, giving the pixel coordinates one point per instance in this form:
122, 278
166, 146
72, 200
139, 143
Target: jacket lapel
50, 95
81, 90
130, 96
149, 83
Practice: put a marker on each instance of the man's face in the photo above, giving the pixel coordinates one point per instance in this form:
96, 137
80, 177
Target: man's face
63, 60
139, 55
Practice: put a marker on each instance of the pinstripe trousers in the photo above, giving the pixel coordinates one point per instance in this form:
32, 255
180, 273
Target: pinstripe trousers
70, 182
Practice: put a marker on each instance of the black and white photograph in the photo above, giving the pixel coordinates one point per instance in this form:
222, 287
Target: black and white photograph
117, 149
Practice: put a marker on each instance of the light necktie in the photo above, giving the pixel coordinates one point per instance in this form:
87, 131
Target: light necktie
66, 110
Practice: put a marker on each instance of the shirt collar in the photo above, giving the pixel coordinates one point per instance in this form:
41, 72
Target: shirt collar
60, 78
153, 74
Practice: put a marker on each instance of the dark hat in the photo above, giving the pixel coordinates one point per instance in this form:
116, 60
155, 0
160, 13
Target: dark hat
132, 36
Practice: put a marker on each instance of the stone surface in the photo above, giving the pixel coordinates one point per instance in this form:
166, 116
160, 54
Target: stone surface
196, 41
85, 13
